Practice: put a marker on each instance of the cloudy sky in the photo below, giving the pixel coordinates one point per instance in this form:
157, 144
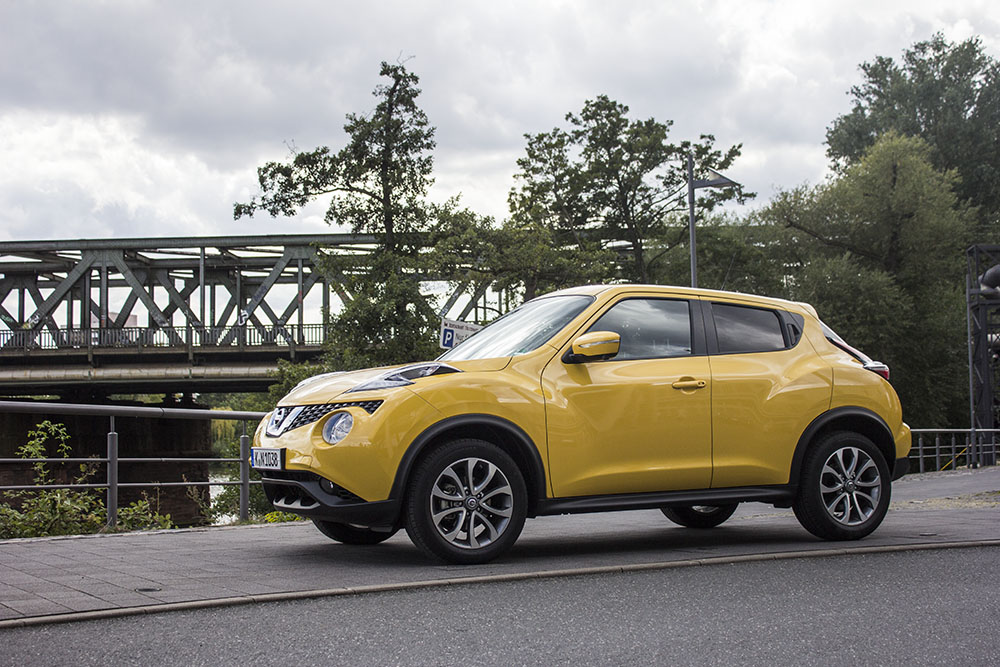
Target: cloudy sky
137, 118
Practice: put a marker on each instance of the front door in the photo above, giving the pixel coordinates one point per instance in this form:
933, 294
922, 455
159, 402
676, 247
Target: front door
638, 422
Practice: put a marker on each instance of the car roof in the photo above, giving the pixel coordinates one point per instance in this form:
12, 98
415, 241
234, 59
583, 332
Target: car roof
614, 290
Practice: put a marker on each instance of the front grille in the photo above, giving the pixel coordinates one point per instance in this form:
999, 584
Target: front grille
313, 413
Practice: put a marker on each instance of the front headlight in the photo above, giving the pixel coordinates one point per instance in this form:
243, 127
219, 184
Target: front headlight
400, 377
337, 427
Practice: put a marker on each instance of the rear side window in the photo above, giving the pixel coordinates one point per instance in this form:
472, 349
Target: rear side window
649, 328
747, 329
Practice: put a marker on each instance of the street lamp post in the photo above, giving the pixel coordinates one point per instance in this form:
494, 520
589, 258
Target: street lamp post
717, 181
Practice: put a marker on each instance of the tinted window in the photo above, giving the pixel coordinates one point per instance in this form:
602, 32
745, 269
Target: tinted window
649, 327
744, 329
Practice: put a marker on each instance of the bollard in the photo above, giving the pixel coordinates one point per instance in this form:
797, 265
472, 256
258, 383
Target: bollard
973, 450
112, 504
244, 475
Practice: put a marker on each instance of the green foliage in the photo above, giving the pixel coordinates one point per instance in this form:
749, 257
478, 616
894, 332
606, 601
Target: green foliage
611, 181
946, 93
65, 511
734, 255
521, 255
377, 183
388, 322
878, 252
143, 515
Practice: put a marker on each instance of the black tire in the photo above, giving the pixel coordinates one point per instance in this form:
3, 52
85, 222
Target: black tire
348, 534
466, 502
699, 516
844, 487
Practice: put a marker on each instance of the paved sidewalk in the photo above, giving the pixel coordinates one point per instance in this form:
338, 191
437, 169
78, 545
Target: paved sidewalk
47, 577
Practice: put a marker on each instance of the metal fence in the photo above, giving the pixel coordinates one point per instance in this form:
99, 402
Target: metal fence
949, 448
113, 459
249, 335
933, 449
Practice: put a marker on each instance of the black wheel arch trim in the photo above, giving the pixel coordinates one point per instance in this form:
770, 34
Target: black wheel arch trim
534, 478
823, 420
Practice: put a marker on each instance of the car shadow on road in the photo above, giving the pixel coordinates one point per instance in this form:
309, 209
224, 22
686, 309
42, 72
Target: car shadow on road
568, 549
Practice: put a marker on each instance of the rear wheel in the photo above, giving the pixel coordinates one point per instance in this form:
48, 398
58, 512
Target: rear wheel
844, 489
466, 502
348, 534
699, 516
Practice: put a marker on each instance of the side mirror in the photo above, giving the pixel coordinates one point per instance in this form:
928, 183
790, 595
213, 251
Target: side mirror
593, 346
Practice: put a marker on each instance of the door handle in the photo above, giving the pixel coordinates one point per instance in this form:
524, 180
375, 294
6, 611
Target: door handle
689, 383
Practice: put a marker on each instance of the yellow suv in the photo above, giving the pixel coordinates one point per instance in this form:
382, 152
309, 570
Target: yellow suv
591, 399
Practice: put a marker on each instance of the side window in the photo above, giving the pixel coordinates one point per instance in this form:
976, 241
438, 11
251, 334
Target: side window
649, 328
747, 329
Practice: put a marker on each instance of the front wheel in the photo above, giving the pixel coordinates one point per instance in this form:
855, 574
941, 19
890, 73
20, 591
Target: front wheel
844, 488
699, 516
348, 534
466, 503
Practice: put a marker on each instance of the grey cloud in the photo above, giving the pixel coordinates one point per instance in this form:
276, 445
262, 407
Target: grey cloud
230, 83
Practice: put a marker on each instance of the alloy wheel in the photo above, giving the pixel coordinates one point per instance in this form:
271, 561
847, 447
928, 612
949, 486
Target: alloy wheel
850, 486
471, 503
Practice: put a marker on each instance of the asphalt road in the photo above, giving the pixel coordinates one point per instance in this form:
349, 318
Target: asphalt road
906, 608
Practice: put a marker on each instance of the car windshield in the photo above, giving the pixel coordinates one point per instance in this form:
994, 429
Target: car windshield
521, 330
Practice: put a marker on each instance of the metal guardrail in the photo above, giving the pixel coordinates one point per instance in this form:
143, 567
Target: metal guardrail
128, 337
112, 459
249, 335
954, 446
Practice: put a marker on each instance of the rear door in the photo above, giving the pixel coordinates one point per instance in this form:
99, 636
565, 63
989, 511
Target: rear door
767, 386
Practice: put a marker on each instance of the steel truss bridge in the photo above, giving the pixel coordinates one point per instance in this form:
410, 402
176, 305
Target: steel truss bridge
171, 314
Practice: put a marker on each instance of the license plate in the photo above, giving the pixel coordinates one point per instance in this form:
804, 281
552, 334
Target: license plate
264, 458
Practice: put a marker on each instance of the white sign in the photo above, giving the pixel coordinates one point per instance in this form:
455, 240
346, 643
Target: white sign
454, 332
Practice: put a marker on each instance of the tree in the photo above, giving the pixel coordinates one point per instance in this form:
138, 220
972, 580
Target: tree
877, 250
521, 254
735, 255
615, 181
377, 183
949, 95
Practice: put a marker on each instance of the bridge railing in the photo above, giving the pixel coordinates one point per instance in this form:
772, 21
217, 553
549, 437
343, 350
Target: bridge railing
949, 448
250, 335
112, 460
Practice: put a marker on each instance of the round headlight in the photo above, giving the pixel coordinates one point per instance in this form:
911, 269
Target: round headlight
337, 427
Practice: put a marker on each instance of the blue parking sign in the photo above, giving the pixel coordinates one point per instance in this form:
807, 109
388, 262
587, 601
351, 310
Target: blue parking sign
454, 332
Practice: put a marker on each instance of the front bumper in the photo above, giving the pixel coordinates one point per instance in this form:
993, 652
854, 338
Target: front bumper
311, 496
901, 467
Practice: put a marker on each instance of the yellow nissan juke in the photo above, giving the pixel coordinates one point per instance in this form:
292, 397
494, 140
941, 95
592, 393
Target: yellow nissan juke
591, 399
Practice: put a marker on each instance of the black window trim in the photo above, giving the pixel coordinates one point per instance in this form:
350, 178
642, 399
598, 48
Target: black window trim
784, 319
699, 347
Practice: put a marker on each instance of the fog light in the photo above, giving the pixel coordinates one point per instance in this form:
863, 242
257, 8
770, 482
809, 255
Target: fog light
337, 427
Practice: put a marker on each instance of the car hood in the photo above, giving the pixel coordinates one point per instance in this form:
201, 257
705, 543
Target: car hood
328, 386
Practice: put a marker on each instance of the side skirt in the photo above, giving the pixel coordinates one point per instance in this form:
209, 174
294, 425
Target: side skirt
780, 496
